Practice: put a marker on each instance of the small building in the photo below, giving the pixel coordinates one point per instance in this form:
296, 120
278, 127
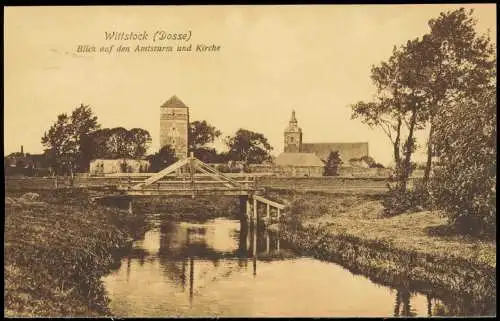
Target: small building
300, 164
20, 163
123, 165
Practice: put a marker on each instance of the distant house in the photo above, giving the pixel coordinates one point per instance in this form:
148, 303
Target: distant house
123, 165
20, 163
300, 164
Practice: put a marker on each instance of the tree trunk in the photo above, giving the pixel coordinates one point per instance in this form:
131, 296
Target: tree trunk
429, 154
406, 171
396, 145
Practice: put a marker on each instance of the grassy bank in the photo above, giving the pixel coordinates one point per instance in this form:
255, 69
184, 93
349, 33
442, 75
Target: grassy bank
402, 251
57, 246
59, 243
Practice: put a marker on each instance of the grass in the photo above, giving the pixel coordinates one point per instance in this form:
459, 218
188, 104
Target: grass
57, 246
360, 216
59, 243
401, 252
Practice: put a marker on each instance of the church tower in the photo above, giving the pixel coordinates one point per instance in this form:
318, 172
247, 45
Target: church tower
293, 136
174, 126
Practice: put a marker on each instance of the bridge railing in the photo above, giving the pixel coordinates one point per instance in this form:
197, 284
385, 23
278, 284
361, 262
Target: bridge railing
182, 183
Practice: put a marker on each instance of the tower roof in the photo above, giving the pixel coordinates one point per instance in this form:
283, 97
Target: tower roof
174, 102
293, 125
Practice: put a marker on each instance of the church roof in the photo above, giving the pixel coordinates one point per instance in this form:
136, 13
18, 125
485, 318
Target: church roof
174, 102
298, 159
350, 150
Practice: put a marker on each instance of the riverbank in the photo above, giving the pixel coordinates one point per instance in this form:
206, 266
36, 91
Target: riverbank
57, 247
69, 242
404, 250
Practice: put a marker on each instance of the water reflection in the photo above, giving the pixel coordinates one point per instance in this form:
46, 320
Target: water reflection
230, 268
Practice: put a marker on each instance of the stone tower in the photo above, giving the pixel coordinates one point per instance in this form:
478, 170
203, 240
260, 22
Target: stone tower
174, 126
293, 136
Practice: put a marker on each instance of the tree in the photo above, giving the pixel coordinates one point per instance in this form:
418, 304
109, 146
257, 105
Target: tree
139, 141
83, 122
332, 164
210, 155
398, 107
464, 185
63, 140
459, 63
117, 143
114, 143
248, 146
201, 134
94, 145
164, 158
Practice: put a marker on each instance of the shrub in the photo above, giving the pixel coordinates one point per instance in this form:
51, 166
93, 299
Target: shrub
398, 201
464, 183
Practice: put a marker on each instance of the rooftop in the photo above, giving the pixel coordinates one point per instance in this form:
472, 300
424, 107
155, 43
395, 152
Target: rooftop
298, 159
174, 102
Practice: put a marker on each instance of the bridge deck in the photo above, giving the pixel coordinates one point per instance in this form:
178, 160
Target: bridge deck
189, 192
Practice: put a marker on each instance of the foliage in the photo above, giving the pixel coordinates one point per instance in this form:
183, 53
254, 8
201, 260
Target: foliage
248, 146
419, 81
398, 201
115, 143
398, 108
368, 160
201, 133
332, 164
139, 141
210, 155
62, 142
464, 185
162, 159
459, 63
73, 141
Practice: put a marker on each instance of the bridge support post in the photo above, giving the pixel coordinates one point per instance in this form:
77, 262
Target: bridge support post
279, 213
248, 209
255, 217
243, 206
130, 205
268, 214
267, 242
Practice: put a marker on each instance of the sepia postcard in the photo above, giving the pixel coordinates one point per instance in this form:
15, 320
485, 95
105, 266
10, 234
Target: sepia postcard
250, 161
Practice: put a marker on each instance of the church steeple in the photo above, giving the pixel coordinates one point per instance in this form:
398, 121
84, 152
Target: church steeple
293, 136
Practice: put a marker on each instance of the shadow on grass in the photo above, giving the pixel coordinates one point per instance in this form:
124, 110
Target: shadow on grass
451, 231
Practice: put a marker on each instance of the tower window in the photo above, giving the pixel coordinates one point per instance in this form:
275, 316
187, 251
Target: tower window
291, 139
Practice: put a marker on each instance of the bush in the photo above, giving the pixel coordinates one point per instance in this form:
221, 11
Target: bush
398, 201
464, 183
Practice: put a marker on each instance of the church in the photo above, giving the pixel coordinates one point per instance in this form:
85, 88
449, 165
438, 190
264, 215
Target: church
308, 159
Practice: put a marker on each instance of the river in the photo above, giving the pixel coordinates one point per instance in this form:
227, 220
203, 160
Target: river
221, 268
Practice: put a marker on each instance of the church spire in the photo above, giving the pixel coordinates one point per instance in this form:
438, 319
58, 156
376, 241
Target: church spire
293, 119
293, 136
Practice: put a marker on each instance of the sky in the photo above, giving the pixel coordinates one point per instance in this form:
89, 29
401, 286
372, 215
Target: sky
313, 59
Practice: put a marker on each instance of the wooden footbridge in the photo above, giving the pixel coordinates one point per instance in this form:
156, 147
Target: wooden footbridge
192, 177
